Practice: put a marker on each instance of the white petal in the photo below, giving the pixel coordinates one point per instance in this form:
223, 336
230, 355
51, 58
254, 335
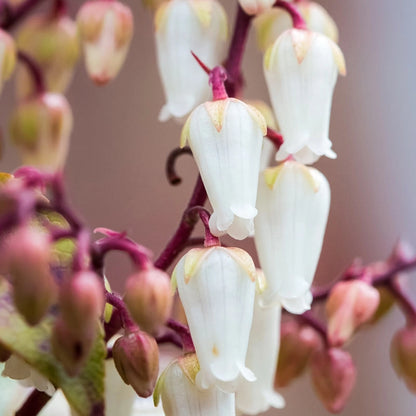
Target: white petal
256, 6
301, 91
218, 302
184, 82
262, 353
228, 161
289, 231
180, 397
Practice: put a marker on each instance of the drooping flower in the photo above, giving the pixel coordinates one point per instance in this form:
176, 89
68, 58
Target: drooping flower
262, 353
255, 6
301, 69
226, 138
183, 26
273, 22
52, 41
106, 29
40, 128
182, 397
216, 287
293, 203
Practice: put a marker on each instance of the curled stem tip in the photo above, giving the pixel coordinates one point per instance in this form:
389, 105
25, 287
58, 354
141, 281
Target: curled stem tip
173, 177
184, 333
210, 240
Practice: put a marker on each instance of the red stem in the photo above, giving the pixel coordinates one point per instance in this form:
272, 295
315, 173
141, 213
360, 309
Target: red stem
126, 320
274, 137
18, 13
33, 404
34, 71
298, 20
186, 226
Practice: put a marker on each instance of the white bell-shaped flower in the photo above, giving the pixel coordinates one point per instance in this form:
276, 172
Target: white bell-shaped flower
255, 6
262, 353
293, 203
226, 139
182, 397
272, 23
216, 286
301, 69
183, 26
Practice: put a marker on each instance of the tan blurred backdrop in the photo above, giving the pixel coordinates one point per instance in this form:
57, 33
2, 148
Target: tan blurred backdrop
116, 176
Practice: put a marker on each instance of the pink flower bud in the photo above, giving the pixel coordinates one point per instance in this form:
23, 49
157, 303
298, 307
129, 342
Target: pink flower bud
333, 376
149, 298
72, 346
82, 300
26, 256
51, 40
403, 355
136, 357
40, 127
350, 304
296, 346
106, 29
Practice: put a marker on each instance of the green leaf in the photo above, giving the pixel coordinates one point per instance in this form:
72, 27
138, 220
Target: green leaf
84, 392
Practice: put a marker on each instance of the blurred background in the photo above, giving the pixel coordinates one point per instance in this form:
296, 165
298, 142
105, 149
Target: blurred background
116, 165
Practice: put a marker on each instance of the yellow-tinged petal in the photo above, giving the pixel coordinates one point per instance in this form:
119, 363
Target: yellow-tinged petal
216, 111
266, 112
203, 10
190, 366
271, 174
258, 118
193, 260
161, 16
270, 52
185, 132
174, 281
5, 177
261, 282
244, 260
339, 58
264, 24
159, 385
301, 40
108, 310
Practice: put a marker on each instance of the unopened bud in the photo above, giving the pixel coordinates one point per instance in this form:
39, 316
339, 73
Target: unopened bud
40, 127
106, 29
26, 256
136, 357
72, 346
52, 41
403, 355
149, 298
333, 376
350, 304
387, 301
296, 346
7, 58
82, 300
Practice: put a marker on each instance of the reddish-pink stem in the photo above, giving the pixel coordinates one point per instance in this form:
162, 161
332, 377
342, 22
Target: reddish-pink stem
275, 137
298, 20
210, 240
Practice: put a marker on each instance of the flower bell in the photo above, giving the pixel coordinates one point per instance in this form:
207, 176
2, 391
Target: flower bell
273, 22
52, 41
293, 203
263, 349
226, 137
7, 57
106, 29
183, 26
182, 397
216, 287
301, 69
40, 127
255, 6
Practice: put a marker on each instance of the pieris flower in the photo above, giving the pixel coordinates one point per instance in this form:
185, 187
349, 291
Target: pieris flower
183, 26
106, 29
255, 6
301, 69
226, 138
216, 287
182, 397
273, 22
293, 203
262, 353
